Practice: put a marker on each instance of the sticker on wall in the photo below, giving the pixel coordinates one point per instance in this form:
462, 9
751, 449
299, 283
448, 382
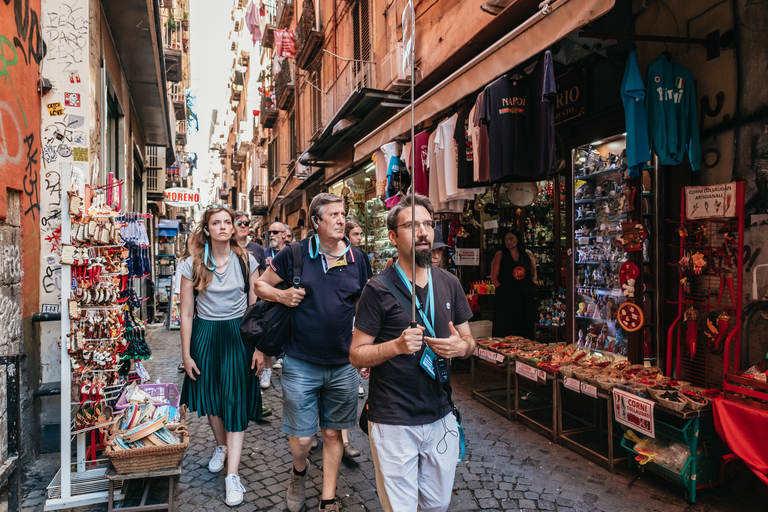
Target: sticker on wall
66, 152
49, 153
80, 154
55, 109
74, 77
74, 121
72, 99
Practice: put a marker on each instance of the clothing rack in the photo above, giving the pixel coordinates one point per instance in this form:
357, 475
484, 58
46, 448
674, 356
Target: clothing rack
711, 42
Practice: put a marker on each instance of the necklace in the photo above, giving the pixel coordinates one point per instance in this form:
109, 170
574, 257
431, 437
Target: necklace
223, 264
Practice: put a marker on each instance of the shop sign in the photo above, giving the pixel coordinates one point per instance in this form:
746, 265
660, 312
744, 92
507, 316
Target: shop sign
572, 384
528, 372
181, 197
634, 412
711, 201
467, 257
571, 97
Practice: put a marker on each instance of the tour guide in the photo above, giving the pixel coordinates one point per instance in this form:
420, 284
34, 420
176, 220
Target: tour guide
414, 436
316, 369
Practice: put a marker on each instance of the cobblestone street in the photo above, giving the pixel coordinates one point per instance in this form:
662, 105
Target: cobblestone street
507, 467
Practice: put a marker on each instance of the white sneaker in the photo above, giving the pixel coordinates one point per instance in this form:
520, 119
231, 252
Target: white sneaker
234, 490
217, 461
361, 392
278, 363
266, 374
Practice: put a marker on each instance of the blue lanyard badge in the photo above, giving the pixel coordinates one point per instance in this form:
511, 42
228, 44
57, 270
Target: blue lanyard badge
430, 304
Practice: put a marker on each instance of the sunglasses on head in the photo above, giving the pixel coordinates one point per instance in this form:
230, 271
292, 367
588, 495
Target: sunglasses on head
215, 206
243, 223
274, 232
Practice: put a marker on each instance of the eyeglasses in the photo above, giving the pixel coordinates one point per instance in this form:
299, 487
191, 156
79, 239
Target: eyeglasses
271, 232
215, 206
243, 223
427, 225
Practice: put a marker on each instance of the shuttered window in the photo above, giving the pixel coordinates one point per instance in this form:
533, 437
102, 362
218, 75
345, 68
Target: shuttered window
272, 159
316, 98
361, 28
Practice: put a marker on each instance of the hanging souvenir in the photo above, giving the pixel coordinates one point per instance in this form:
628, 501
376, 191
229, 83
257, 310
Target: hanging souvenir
630, 315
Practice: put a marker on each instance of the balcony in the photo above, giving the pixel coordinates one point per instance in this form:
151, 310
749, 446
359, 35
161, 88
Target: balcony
245, 58
258, 198
284, 13
172, 47
268, 114
309, 40
236, 94
268, 38
178, 100
284, 85
181, 133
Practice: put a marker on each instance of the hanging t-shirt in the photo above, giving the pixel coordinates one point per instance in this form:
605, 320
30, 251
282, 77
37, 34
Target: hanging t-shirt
671, 103
419, 168
398, 178
480, 168
465, 152
504, 112
435, 176
541, 118
633, 97
380, 165
445, 157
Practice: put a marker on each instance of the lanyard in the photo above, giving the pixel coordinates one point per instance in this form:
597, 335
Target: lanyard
429, 305
319, 248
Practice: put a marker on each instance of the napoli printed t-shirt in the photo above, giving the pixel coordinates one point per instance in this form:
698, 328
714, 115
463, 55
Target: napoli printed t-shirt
224, 298
671, 103
541, 118
257, 252
633, 97
481, 171
322, 322
400, 391
504, 112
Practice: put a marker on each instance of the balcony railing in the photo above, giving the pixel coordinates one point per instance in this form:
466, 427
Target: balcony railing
284, 85
268, 115
308, 39
172, 32
284, 13
355, 75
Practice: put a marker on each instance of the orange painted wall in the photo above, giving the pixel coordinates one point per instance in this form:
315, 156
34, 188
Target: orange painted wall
21, 50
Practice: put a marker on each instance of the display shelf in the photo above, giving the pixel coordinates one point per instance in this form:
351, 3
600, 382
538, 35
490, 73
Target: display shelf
496, 397
597, 175
538, 409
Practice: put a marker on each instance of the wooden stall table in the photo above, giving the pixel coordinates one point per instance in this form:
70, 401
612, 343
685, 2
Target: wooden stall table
149, 477
489, 363
540, 413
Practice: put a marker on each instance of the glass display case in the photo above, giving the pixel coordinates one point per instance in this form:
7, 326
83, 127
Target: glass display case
375, 237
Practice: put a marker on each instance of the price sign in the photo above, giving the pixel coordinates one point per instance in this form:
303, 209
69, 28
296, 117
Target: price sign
572, 384
541, 375
589, 389
529, 372
499, 358
487, 355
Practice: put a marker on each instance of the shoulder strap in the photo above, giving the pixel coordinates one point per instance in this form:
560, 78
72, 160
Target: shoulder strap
296, 250
246, 276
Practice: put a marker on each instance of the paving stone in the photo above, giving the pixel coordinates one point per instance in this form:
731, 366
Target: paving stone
526, 503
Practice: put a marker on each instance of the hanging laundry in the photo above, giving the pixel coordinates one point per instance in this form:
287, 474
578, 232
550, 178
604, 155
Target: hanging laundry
633, 97
504, 113
420, 177
673, 127
285, 43
252, 21
542, 95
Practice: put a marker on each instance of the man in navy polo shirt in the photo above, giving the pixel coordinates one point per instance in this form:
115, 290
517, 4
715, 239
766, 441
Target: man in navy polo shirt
316, 370
413, 433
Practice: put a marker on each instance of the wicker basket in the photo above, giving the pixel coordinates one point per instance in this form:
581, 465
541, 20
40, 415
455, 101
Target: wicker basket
567, 371
675, 406
151, 458
607, 383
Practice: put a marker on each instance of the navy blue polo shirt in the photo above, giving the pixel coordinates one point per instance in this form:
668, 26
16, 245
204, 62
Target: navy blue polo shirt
322, 323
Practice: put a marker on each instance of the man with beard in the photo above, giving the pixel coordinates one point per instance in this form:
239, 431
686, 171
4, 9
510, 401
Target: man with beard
413, 432
288, 234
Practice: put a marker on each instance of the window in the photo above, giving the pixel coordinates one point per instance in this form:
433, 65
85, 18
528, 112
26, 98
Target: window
316, 97
292, 156
361, 31
272, 160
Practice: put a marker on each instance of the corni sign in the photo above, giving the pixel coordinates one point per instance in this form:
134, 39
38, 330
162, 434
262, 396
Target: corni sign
181, 197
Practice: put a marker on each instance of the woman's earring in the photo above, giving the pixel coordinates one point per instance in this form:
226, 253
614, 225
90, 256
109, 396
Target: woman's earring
207, 256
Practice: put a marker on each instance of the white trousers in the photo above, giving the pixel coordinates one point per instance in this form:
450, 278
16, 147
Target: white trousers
415, 466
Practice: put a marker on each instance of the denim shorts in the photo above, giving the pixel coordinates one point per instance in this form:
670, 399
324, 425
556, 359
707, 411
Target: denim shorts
311, 390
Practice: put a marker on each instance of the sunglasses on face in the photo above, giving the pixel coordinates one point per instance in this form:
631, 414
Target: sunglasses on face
243, 223
274, 232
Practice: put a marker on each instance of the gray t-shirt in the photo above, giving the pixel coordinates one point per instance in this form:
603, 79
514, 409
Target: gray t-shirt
224, 298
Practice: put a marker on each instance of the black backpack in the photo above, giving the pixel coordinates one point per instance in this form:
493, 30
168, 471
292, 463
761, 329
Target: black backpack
266, 326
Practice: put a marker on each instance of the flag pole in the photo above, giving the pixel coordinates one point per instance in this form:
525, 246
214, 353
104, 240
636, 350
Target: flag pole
413, 167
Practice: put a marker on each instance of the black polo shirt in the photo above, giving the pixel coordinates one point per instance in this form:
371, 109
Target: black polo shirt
401, 392
322, 323
258, 254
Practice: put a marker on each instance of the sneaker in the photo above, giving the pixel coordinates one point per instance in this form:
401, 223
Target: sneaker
297, 488
314, 442
234, 490
350, 452
278, 363
333, 507
266, 373
360, 392
217, 461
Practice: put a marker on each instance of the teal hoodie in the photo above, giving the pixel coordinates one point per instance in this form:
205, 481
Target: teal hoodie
672, 123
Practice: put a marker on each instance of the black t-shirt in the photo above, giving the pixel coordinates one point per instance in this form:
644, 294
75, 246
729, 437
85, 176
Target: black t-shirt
504, 111
463, 138
322, 323
541, 117
258, 254
401, 392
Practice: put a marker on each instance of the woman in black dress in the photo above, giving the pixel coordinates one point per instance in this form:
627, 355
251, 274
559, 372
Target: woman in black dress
513, 273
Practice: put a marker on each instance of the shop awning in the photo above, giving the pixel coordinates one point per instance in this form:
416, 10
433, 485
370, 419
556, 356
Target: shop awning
167, 227
527, 40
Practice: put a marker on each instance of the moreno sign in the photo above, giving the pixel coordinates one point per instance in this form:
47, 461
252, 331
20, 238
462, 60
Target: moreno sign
181, 197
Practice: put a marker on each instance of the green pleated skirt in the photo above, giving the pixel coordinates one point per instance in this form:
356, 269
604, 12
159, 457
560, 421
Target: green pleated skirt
226, 386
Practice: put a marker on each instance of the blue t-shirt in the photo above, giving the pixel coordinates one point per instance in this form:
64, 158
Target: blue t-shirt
633, 97
322, 323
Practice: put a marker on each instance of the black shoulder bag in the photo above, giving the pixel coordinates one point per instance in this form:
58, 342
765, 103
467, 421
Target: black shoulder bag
267, 325
403, 300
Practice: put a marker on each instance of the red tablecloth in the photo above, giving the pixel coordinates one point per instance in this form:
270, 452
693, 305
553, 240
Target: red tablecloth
745, 429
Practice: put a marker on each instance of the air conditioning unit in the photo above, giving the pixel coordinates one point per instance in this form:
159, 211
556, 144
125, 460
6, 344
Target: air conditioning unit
392, 75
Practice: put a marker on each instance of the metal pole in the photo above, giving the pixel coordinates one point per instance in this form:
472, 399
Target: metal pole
413, 166
66, 378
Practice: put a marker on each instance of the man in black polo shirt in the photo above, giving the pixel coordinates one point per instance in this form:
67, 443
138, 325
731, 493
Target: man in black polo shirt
317, 377
413, 433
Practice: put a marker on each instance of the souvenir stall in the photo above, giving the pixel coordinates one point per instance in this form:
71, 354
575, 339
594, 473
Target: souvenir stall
165, 265
105, 253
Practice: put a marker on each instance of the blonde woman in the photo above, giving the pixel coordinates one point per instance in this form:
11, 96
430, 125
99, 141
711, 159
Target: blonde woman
220, 382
